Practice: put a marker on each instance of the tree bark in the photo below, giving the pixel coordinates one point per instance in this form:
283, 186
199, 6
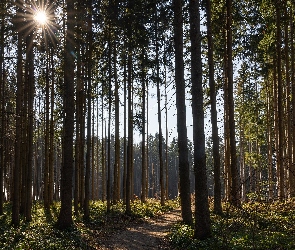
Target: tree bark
234, 189
292, 166
215, 137
162, 187
202, 215
2, 132
18, 126
280, 106
143, 132
30, 128
181, 115
89, 109
65, 215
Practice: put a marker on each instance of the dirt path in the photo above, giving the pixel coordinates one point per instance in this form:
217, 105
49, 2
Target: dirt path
147, 235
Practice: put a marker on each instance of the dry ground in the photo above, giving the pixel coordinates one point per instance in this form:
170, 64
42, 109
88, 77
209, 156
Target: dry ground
149, 234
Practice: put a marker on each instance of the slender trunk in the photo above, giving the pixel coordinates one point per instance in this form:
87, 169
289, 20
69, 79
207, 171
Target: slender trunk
147, 143
235, 194
125, 130
202, 215
117, 183
65, 215
78, 136
181, 115
292, 166
280, 107
51, 132
2, 132
269, 141
31, 91
166, 126
18, 132
143, 132
162, 187
46, 142
89, 113
117, 134
130, 136
103, 139
215, 137
109, 133
129, 168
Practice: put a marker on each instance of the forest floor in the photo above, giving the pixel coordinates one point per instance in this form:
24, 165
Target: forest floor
146, 234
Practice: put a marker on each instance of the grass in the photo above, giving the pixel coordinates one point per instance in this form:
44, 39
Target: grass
42, 233
254, 226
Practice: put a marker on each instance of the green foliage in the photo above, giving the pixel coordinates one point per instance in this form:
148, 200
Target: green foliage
42, 232
254, 226
152, 208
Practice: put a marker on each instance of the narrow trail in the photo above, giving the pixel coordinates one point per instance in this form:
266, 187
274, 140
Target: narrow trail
147, 235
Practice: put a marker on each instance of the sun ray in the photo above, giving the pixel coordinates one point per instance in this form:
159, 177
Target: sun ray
39, 17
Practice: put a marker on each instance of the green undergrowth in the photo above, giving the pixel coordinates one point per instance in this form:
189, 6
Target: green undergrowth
253, 226
42, 233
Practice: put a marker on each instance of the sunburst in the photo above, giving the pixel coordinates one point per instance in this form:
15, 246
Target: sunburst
37, 17
41, 17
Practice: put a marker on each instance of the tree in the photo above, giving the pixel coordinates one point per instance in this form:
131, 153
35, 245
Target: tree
215, 137
143, 141
117, 182
18, 122
234, 187
2, 25
202, 215
130, 108
292, 166
181, 115
89, 109
30, 126
65, 214
280, 156
159, 108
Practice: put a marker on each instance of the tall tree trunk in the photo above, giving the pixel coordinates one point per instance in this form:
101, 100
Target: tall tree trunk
281, 142
130, 134
51, 132
116, 195
125, 128
162, 187
18, 127
109, 130
103, 142
2, 132
31, 91
46, 142
78, 134
129, 168
147, 142
292, 166
269, 140
143, 132
89, 113
181, 116
65, 215
215, 137
234, 189
202, 215
167, 136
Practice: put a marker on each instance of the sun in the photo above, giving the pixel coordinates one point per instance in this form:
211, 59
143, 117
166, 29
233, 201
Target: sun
41, 17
